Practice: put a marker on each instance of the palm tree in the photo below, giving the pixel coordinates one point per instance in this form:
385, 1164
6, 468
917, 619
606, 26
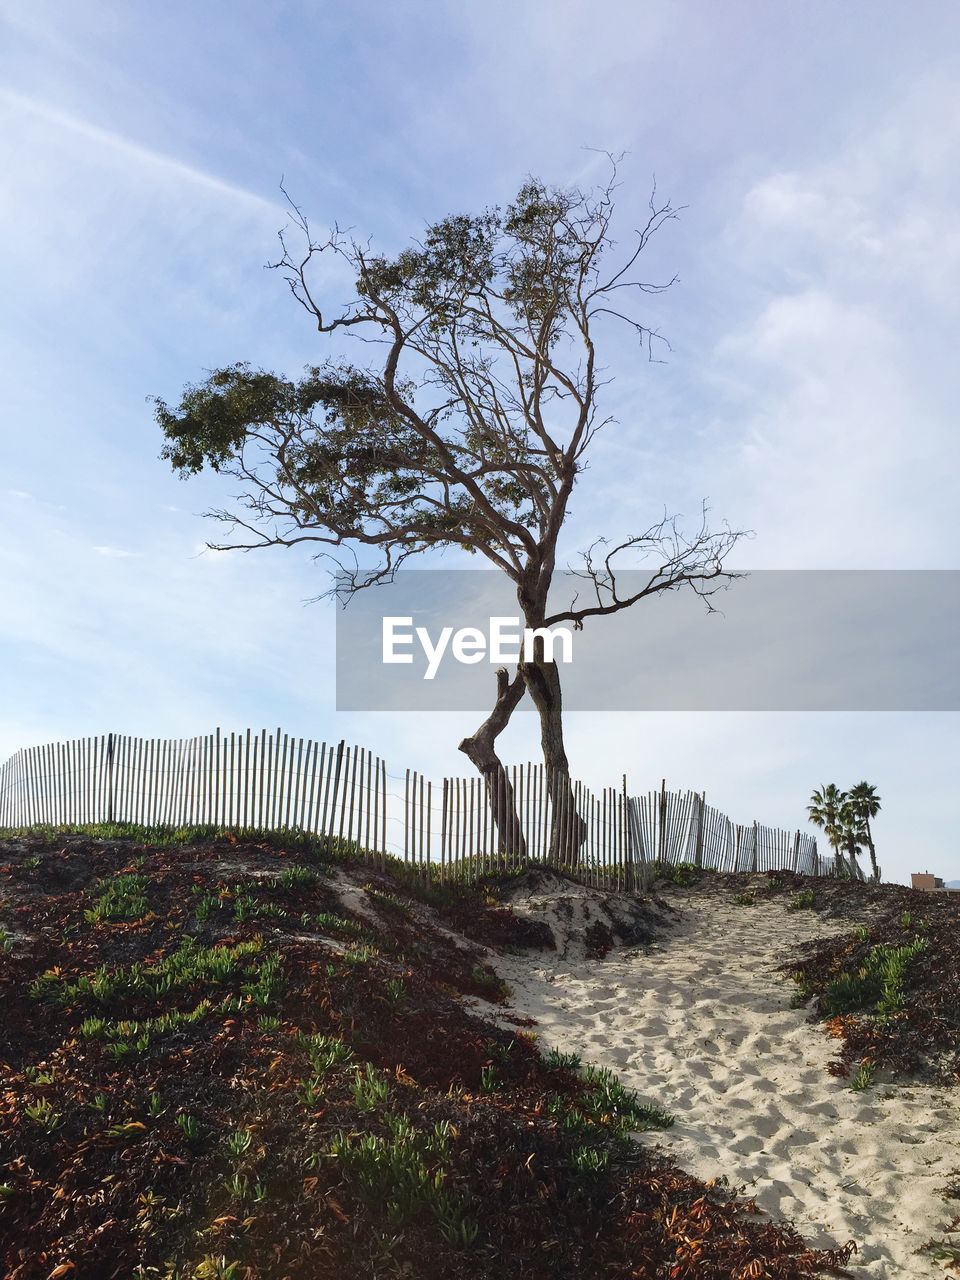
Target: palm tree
867, 803
824, 812
851, 831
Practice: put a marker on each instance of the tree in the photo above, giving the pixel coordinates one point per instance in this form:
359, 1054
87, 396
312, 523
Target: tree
866, 804
466, 425
851, 832
825, 812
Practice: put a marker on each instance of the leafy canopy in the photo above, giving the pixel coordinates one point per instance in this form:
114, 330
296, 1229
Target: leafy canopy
469, 427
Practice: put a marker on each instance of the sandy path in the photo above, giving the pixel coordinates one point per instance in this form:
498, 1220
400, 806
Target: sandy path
701, 1024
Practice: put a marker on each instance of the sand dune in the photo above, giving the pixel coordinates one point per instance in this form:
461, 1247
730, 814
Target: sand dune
701, 1023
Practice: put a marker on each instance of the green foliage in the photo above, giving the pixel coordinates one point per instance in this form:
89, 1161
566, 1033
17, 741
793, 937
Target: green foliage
482, 329
340, 924
159, 836
127, 1035
864, 1077
395, 990
189, 965
36, 1076
557, 1059
120, 898
297, 877
824, 812
681, 874
203, 904
586, 1159
844, 817
609, 1102
387, 901
325, 1052
214, 1267
491, 984
189, 1126
802, 901
744, 899
43, 1114
402, 1175
369, 1089
246, 906
943, 1250
128, 1132
267, 983
606, 1103
489, 1079
239, 1143
877, 986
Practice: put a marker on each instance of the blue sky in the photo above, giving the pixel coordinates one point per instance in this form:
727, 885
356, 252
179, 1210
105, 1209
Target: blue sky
811, 393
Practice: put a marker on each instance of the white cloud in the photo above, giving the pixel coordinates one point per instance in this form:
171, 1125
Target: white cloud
137, 156
836, 426
117, 553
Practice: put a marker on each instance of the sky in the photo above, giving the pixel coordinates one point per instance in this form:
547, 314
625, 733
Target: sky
810, 392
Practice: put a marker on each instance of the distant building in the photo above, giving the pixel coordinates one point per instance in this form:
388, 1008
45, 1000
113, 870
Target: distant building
930, 883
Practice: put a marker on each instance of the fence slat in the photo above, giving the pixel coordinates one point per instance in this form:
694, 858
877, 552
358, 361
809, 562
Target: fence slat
515, 816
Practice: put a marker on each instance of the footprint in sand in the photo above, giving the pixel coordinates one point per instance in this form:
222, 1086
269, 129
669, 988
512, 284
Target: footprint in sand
747, 1078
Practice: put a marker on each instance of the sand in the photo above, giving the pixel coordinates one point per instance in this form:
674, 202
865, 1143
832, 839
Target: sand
700, 1023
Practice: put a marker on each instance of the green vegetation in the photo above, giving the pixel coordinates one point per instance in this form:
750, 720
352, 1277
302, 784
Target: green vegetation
127, 1036
890, 986
404, 1175
802, 901
370, 1089
200, 1095
607, 1101
864, 1077
556, 1059
186, 966
121, 898
43, 1114
297, 876
682, 874
877, 985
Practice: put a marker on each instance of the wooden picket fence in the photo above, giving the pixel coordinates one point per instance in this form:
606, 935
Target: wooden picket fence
451, 826
275, 781
676, 827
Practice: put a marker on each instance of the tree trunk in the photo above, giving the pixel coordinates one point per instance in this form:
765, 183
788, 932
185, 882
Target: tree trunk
479, 749
855, 872
839, 864
873, 853
568, 829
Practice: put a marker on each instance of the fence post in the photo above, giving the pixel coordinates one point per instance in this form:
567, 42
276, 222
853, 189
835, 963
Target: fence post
111, 808
629, 878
